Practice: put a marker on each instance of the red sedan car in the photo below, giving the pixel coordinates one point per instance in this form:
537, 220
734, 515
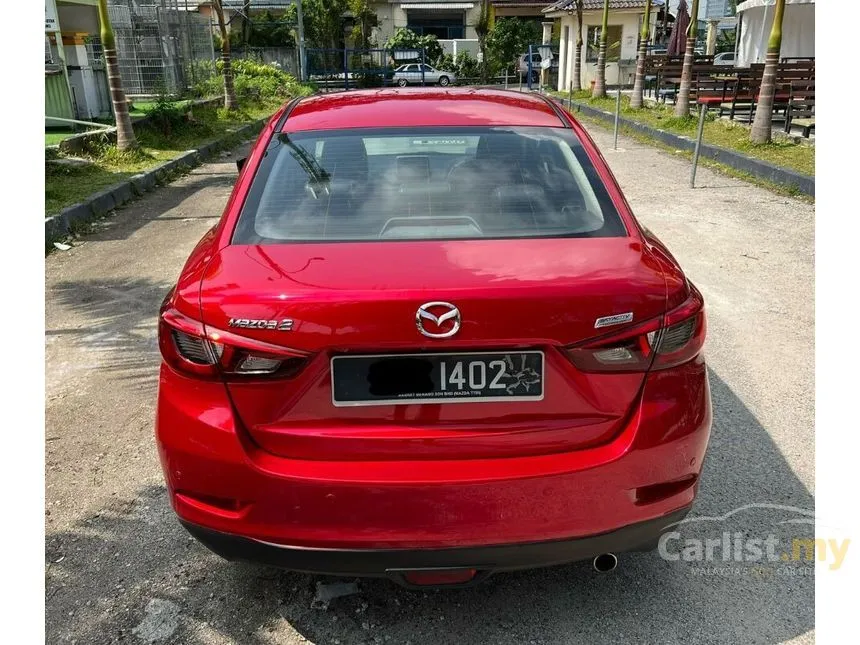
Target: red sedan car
429, 340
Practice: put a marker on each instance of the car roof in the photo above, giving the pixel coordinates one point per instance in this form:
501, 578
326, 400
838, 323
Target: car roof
405, 107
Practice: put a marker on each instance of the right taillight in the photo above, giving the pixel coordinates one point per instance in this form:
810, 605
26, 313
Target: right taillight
189, 347
657, 344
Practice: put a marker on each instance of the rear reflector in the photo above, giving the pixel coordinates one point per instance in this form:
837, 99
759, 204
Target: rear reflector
435, 578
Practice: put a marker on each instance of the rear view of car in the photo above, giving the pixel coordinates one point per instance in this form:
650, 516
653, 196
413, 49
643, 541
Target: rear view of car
429, 341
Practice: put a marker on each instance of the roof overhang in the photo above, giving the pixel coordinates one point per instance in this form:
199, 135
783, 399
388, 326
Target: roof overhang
753, 4
438, 5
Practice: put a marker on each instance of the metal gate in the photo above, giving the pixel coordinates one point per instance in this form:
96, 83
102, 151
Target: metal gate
539, 66
344, 69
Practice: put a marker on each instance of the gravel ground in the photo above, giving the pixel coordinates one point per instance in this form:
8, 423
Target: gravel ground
120, 569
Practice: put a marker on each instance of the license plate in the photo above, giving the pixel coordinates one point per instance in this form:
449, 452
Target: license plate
399, 379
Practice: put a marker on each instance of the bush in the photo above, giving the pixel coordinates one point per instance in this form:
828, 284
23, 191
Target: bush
466, 66
254, 81
407, 39
166, 116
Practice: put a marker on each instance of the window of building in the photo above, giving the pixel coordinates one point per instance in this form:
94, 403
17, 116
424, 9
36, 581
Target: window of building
444, 25
613, 44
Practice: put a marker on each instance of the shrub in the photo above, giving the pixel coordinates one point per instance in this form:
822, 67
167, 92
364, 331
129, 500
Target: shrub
254, 81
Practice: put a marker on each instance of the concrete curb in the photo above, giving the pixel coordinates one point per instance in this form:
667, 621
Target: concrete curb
755, 167
103, 202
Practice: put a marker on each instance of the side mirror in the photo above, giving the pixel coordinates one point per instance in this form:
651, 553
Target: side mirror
240, 163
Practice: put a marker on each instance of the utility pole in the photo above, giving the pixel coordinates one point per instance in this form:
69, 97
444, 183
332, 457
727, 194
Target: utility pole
301, 31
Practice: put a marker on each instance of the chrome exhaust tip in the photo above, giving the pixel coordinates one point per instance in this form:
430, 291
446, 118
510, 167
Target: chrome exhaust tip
605, 562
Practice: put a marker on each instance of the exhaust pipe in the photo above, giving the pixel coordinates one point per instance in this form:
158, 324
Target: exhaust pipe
605, 562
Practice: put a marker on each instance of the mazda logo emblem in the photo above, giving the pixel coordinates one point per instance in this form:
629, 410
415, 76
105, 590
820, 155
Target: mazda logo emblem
445, 312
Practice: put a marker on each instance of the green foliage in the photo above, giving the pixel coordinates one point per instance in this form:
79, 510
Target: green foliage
323, 22
254, 82
511, 37
407, 39
166, 115
365, 21
466, 66
445, 63
272, 30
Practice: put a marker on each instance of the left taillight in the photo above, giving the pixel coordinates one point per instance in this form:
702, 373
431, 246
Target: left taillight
656, 344
190, 347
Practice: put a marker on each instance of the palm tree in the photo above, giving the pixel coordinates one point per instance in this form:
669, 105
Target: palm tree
600, 81
682, 101
636, 99
230, 102
577, 61
482, 30
125, 139
761, 132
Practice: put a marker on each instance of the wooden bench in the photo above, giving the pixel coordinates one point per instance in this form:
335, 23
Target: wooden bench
801, 107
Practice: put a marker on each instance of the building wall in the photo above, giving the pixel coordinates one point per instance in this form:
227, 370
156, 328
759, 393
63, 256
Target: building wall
79, 19
630, 23
391, 18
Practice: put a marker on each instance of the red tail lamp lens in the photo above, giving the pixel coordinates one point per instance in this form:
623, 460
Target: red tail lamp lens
659, 343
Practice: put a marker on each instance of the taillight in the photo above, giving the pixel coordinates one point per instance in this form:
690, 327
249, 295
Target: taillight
656, 344
187, 346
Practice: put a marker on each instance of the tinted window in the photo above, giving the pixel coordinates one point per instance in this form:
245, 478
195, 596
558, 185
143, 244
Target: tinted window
433, 183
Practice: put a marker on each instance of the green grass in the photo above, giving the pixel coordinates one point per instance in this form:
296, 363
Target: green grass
790, 191
718, 132
65, 186
53, 137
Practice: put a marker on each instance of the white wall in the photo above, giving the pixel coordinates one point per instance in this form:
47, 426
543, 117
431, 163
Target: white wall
798, 33
630, 25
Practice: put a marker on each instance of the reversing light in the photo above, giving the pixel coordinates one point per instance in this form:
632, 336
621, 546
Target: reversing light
257, 365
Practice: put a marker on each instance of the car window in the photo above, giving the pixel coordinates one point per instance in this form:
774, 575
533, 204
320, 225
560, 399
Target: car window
433, 183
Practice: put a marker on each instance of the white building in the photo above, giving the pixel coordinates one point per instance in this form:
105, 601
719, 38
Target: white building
755, 18
625, 23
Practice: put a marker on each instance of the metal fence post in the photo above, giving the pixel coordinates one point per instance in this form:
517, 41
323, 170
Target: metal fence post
702, 111
529, 69
617, 107
570, 96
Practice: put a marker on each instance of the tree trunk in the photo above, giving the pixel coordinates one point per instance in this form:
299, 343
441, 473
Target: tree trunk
230, 102
600, 81
639, 82
125, 139
577, 62
682, 101
761, 128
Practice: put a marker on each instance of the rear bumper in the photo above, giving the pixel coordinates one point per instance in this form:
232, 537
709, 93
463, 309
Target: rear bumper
219, 480
393, 562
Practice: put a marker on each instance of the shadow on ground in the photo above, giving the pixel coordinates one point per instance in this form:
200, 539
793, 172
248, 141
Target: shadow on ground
131, 574
121, 322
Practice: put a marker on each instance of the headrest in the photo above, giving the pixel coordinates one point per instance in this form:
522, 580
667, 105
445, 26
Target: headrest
344, 157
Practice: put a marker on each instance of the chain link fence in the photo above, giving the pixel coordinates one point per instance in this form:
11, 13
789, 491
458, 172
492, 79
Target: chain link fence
161, 49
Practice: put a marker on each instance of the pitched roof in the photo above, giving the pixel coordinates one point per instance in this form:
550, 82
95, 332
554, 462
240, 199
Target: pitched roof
590, 5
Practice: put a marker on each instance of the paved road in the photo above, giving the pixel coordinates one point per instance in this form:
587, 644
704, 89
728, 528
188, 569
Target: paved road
120, 569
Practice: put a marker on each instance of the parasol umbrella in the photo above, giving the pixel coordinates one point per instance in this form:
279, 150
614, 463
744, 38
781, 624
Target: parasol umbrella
678, 38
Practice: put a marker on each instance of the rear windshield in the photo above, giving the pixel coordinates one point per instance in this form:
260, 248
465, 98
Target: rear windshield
449, 183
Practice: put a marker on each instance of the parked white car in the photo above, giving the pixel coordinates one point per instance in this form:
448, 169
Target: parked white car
411, 74
725, 58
